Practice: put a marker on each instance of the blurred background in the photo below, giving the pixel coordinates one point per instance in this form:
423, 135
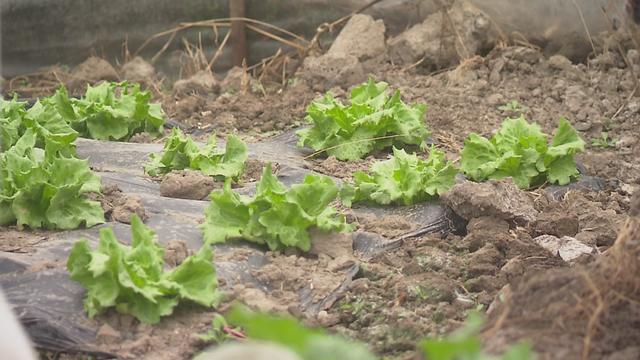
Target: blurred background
39, 33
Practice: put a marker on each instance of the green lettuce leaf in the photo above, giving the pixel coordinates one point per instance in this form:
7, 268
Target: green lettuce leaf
12, 113
68, 209
44, 189
309, 344
464, 343
111, 111
519, 150
403, 179
276, 216
181, 152
373, 121
43, 119
227, 215
132, 279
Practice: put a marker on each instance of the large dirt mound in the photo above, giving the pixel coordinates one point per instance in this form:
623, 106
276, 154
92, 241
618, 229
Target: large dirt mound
586, 312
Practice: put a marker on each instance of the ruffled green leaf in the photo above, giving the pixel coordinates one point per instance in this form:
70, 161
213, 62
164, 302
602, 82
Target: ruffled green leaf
112, 111
44, 189
133, 280
276, 216
373, 121
181, 152
519, 150
403, 179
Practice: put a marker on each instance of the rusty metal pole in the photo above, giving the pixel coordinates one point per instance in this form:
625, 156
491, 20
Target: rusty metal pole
239, 50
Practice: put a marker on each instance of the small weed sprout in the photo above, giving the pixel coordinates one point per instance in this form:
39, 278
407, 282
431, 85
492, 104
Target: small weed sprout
604, 141
216, 333
512, 105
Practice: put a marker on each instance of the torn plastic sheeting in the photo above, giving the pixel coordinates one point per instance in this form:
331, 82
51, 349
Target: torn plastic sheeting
47, 304
585, 182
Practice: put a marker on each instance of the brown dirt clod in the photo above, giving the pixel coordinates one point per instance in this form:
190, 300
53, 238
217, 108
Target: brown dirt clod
502, 199
118, 206
91, 71
187, 184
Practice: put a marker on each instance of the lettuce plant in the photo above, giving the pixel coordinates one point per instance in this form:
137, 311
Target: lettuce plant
133, 279
373, 121
520, 150
43, 118
403, 179
277, 216
111, 111
41, 188
181, 152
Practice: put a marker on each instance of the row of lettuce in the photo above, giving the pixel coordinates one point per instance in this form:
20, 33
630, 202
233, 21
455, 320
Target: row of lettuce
374, 120
43, 184
38, 141
281, 217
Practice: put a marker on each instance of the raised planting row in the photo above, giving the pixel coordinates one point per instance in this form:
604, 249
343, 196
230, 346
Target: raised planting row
134, 280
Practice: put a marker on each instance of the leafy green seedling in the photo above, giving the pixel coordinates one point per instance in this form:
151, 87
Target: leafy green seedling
464, 344
373, 121
309, 344
133, 280
403, 179
276, 216
520, 150
420, 292
354, 307
512, 105
181, 152
604, 141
